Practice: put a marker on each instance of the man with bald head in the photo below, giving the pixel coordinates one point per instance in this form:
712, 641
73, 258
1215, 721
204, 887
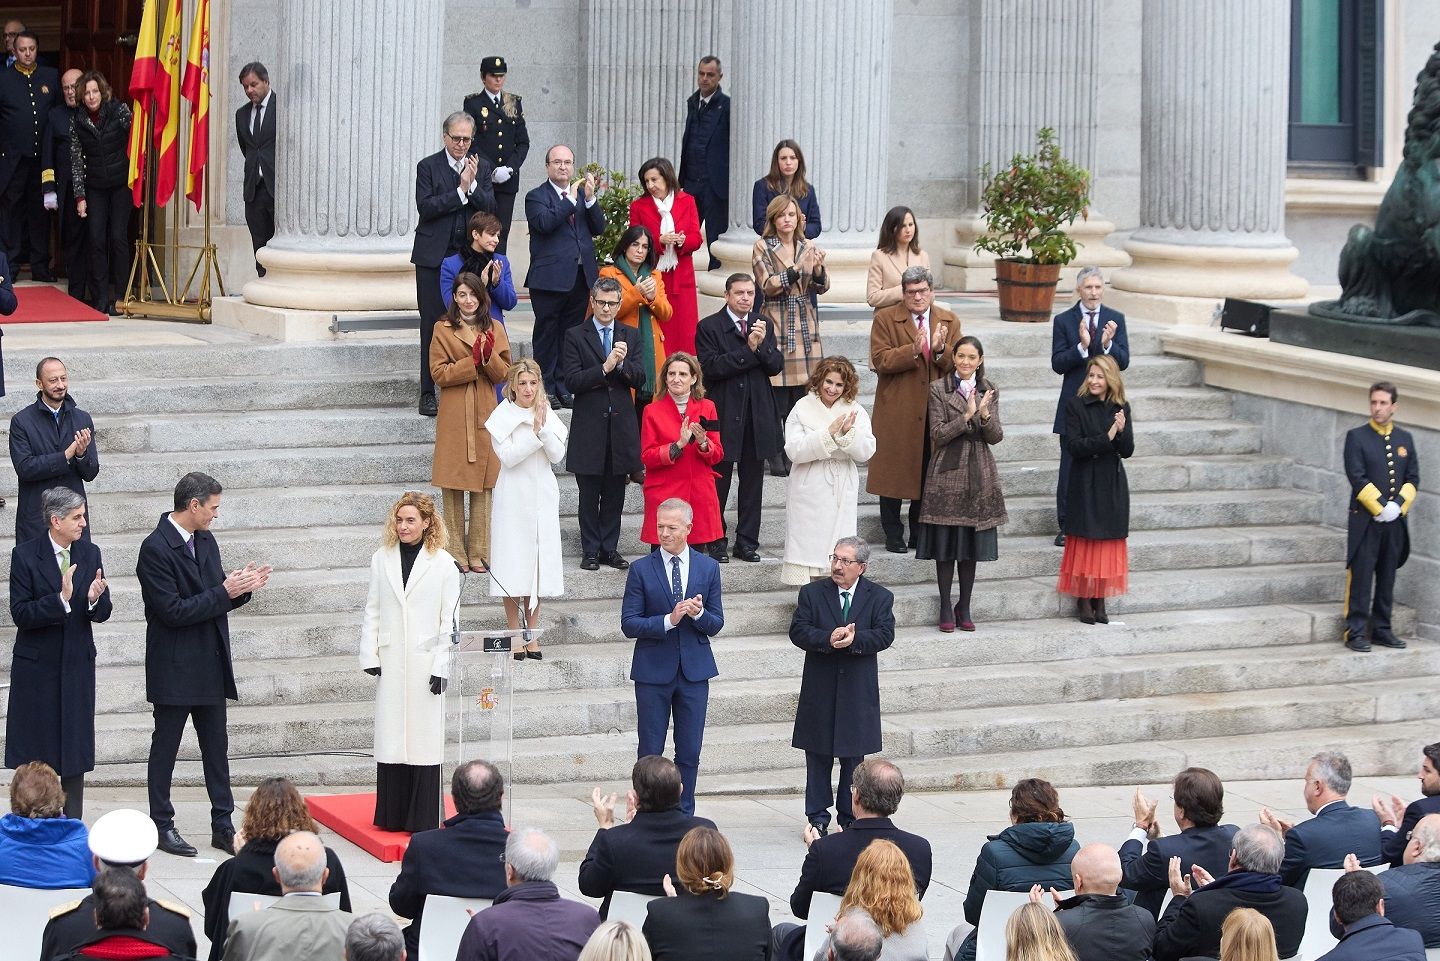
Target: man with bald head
60, 193
1412, 890
1099, 923
302, 924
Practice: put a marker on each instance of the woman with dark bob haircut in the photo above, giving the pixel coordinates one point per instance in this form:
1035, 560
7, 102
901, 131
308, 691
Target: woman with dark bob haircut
897, 251
673, 220
275, 810
644, 306
701, 919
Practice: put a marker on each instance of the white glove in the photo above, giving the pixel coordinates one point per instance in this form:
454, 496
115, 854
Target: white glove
1388, 513
50, 202
500, 175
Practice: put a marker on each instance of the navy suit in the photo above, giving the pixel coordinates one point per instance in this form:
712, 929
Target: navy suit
1375, 938
635, 856
187, 663
1381, 467
1147, 873
672, 668
1392, 843
1323, 841
705, 162
37, 451
831, 860
1067, 360
464, 859
562, 269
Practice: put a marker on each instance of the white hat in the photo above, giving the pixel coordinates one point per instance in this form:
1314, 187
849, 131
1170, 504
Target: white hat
125, 836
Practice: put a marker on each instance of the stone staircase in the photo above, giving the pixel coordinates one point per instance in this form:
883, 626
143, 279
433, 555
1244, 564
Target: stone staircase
1224, 653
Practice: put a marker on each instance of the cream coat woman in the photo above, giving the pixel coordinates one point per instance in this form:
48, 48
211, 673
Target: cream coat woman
525, 519
824, 485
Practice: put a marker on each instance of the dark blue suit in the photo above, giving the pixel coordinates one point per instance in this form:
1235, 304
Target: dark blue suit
705, 162
464, 859
1412, 899
562, 270
1147, 872
672, 668
1392, 844
831, 860
1375, 938
37, 451
1067, 360
635, 856
1323, 841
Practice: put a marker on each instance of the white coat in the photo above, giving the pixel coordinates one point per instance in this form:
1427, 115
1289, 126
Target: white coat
525, 506
406, 633
824, 484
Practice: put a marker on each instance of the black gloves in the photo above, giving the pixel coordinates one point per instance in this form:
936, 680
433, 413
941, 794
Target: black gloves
438, 684
373, 671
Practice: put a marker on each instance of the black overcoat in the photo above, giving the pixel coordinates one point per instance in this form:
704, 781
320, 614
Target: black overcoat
839, 709
52, 676
603, 415
37, 452
1098, 506
737, 379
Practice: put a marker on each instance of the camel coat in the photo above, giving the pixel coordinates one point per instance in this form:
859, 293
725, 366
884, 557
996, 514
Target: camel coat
464, 460
902, 396
882, 280
406, 633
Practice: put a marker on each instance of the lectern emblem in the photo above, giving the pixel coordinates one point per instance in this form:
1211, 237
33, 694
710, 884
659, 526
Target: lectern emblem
487, 699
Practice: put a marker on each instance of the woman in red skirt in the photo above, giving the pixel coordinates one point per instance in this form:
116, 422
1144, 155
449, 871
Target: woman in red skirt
1099, 436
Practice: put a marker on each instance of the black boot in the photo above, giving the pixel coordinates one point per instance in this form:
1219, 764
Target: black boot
1100, 617
1085, 609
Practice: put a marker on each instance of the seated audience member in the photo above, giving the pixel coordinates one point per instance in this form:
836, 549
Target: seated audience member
1199, 805
1191, 924
883, 886
1036, 848
529, 920
299, 925
1247, 935
1033, 934
121, 840
273, 812
464, 858
616, 941
855, 937
1412, 891
875, 792
1358, 920
374, 937
121, 921
1098, 922
701, 919
39, 846
1395, 825
1337, 829
636, 856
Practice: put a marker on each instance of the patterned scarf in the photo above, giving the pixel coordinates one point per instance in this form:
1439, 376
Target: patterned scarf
646, 326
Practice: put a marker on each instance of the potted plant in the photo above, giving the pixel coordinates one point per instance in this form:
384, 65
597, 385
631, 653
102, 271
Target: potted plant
613, 192
1028, 203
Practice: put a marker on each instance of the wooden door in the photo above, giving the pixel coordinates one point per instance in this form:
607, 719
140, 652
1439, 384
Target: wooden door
101, 35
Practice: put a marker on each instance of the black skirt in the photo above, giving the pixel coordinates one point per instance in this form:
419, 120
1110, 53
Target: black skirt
407, 798
941, 542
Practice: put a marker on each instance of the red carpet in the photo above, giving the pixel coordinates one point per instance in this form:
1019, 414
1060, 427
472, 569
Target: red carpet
42, 304
352, 815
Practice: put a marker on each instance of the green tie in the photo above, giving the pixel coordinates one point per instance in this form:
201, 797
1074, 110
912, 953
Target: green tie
845, 607
64, 560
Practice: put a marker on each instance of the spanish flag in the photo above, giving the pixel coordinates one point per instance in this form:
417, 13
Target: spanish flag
196, 89
167, 107
142, 95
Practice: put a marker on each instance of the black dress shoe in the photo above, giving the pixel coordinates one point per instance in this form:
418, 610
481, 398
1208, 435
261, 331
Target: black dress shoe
896, 545
637, 476
616, 561
719, 556
428, 406
1386, 639
42, 276
589, 563
1060, 539
821, 827
172, 843
567, 401
223, 841
778, 466
746, 554
1361, 645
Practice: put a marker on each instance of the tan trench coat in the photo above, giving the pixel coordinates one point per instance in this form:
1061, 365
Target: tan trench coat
464, 459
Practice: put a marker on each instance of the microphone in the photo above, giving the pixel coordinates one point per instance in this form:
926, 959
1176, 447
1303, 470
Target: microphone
455, 612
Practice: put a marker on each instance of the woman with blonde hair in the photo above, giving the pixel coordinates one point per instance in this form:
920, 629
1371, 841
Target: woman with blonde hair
409, 613
701, 919
680, 446
615, 941
883, 884
1033, 934
524, 556
1247, 935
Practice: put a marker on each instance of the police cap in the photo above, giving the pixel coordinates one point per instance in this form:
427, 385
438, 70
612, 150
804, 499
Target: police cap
495, 65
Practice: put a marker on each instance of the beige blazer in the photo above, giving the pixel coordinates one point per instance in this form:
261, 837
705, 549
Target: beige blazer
882, 281
296, 926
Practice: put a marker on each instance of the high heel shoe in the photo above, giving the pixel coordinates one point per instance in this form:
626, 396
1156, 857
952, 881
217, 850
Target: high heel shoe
1086, 610
963, 621
1100, 616
520, 655
534, 655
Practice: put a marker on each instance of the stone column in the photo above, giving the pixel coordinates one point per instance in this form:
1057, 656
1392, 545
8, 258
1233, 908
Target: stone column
1035, 65
354, 120
1212, 182
817, 72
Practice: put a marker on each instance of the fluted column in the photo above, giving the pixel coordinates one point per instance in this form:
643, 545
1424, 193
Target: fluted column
1035, 64
345, 182
818, 72
642, 56
1212, 182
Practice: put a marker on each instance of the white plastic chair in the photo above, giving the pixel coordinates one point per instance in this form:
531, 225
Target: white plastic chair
627, 906
26, 910
823, 908
1432, 954
444, 923
990, 932
242, 903
1318, 885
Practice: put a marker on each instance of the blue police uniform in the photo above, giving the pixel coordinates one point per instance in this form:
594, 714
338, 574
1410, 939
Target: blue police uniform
1382, 466
501, 138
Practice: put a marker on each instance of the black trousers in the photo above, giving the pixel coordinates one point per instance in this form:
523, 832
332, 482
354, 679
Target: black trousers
750, 496
818, 797
432, 308
214, 738
505, 210
108, 216
1373, 567
1062, 482
260, 218
75, 241
602, 501
556, 311
25, 222
714, 212
74, 788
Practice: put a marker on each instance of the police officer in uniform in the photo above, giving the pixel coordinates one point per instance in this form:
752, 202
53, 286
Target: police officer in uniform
121, 839
28, 91
500, 137
1384, 473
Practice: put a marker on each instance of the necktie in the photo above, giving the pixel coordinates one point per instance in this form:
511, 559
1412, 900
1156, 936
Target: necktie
256, 119
674, 580
845, 606
1094, 337
190, 546
64, 559
605, 339
740, 326
920, 326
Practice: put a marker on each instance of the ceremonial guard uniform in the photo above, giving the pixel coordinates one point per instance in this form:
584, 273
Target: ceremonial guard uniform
1382, 467
501, 138
25, 103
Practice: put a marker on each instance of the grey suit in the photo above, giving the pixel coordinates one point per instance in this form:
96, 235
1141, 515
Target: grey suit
296, 926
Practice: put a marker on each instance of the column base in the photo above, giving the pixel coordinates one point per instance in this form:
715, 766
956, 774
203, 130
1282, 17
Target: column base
291, 325
333, 280
966, 268
848, 261
1183, 283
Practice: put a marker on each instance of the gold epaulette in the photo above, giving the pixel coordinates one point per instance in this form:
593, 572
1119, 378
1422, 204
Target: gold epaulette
60, 910
173, 906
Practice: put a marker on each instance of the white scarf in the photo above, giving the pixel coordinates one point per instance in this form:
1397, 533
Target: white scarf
812, 412
669, 260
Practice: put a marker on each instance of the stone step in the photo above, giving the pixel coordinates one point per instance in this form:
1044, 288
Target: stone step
316, 393
401, 464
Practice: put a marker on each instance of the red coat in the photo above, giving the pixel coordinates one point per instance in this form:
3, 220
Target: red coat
680, 282
689, 478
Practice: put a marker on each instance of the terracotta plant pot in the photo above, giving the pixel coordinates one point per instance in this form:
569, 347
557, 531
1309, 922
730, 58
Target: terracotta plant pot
1027, 291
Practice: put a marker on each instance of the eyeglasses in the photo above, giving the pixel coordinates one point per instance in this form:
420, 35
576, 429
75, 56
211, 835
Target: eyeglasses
836, 558
461, 139
561, 163
607, 304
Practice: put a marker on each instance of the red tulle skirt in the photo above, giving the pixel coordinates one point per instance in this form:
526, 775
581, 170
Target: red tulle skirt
1091, 568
